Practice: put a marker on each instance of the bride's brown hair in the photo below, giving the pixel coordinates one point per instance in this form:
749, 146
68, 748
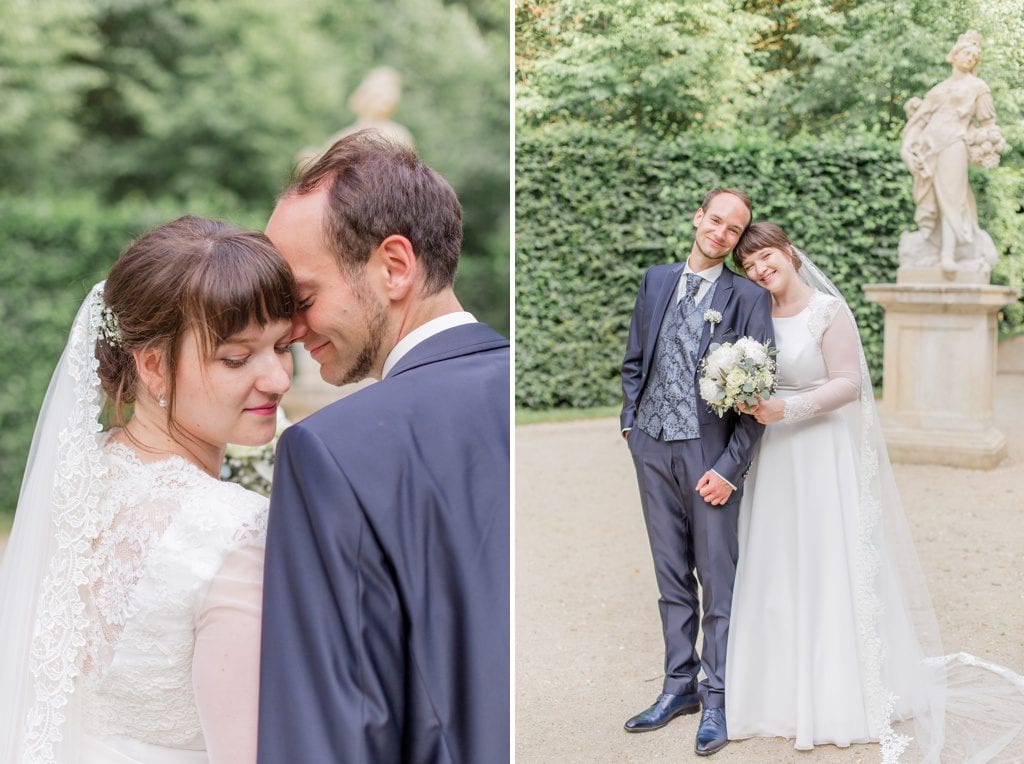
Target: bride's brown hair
761, 235
191, 273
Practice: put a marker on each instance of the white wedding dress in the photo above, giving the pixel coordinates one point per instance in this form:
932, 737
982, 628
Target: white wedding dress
794, 658
130, 595
833, 638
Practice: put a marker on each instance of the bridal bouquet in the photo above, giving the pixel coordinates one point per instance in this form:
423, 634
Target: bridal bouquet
737, 372
252, 467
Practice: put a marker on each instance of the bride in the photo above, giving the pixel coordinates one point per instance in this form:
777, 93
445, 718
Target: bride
130, 588
833, 638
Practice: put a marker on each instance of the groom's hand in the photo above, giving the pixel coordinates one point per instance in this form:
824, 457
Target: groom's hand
713, 489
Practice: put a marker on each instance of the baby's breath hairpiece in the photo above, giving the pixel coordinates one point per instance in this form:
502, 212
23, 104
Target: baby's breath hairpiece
108, 330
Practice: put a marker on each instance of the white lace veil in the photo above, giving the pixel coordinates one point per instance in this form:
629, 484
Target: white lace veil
42, 611
962, 708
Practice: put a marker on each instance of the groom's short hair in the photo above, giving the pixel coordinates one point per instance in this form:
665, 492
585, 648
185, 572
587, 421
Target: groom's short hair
378, 188
738, 194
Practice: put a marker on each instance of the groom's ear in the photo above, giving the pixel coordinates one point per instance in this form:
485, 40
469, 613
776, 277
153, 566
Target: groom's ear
398, 265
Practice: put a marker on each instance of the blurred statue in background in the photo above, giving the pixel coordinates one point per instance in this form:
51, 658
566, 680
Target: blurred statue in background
374, 101
953, 126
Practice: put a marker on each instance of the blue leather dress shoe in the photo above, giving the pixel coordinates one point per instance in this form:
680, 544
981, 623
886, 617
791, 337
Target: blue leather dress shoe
666, 708
711, 734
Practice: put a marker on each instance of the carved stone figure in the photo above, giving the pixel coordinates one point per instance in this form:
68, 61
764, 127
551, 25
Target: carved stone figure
374, 101
953, 126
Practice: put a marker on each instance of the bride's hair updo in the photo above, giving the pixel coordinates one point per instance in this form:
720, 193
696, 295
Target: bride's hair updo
761, 235
191, 273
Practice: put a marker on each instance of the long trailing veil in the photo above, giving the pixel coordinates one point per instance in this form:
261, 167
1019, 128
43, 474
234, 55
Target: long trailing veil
45, 565
924, 704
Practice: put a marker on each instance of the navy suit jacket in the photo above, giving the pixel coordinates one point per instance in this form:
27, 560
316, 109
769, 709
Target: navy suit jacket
728, 442
386, 595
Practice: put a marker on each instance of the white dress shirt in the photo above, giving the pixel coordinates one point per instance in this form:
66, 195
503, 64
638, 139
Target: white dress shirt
710, 276
422, 332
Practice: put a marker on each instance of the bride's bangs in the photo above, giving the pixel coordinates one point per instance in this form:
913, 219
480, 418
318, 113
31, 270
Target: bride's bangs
243, 282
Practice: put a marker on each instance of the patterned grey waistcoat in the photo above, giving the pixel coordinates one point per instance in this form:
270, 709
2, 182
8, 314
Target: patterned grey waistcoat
668, 409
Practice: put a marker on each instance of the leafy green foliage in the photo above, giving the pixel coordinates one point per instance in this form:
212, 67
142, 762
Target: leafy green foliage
176, 99
784, 68
595, 208
667, 65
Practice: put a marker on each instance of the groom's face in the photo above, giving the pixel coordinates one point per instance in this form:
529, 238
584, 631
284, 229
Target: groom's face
341, 320
720, 226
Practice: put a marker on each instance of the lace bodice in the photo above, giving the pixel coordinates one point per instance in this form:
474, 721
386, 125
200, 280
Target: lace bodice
818, 360
176, 551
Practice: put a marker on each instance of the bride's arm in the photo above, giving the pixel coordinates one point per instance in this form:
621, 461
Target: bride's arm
840, 347
225, 665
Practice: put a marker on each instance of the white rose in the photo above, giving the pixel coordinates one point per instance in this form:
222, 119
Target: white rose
735, 379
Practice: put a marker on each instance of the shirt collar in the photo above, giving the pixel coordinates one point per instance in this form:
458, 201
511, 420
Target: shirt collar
708, 274
423, 332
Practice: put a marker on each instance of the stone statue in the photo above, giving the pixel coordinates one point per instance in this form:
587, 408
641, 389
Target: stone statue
953, 126
374, 101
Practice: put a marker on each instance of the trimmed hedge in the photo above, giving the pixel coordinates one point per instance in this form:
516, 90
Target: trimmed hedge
51, 253
594, 209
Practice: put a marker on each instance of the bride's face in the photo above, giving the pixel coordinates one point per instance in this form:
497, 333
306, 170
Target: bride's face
771, 268
232, 396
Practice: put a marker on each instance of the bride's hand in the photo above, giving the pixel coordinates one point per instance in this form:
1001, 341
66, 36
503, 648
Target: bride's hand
769, 410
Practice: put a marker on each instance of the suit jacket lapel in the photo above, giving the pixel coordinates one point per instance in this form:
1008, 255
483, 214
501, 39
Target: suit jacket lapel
661, 303
723, 293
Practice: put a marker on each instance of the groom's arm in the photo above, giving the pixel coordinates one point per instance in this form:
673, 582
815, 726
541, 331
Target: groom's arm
732, 464
333, 669
632, 364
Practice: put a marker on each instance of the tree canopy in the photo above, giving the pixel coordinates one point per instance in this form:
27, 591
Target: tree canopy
753, 65
189, 99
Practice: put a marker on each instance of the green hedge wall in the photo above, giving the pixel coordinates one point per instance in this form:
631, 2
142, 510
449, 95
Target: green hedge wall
51, 253
594, 209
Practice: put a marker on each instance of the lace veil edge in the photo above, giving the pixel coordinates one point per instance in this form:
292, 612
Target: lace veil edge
45, 564
957, 705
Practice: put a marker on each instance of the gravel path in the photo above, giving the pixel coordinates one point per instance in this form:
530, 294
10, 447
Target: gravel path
588, 643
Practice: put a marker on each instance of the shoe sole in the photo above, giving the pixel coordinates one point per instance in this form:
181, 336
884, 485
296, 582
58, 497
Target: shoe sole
683, 711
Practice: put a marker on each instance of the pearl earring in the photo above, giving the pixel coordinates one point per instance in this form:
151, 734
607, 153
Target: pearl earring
162, 401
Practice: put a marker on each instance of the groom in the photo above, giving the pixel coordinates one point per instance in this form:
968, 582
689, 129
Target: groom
689, 463
386, 605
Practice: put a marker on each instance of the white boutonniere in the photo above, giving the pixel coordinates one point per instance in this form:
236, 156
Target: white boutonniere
714, 318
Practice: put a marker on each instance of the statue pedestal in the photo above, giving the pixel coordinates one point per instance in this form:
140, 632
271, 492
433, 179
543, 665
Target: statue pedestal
940, 370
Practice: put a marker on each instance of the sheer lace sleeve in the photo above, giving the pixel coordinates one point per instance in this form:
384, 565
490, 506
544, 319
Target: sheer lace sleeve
840, 346
225, 667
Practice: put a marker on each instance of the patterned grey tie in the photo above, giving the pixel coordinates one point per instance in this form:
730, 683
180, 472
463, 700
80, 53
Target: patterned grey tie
689, 301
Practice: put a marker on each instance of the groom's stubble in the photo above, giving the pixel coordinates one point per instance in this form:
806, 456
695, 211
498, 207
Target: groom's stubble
369, 356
